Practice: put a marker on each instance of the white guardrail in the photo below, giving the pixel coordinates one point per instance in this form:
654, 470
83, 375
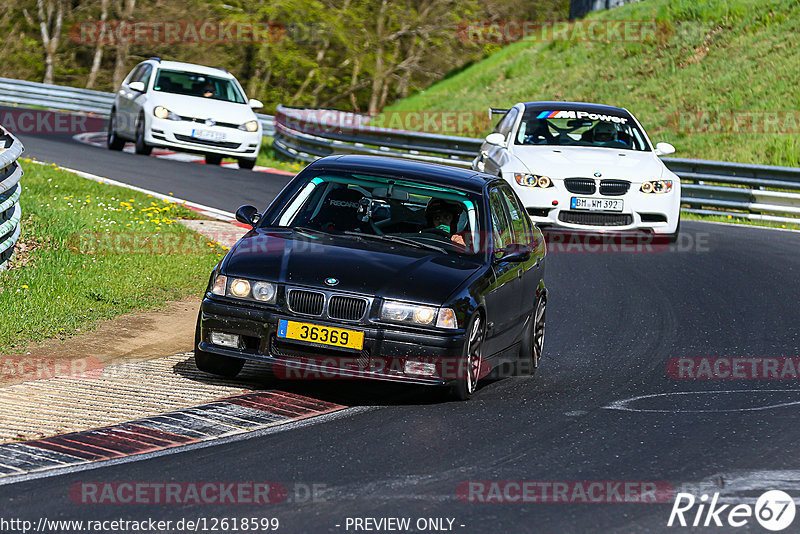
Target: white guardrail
758, 192
10, 190
60, 97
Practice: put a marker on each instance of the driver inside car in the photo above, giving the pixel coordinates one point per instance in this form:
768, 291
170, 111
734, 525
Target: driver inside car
442, 218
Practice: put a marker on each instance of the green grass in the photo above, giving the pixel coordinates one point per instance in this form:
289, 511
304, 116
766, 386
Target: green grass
739, 220
92, 252
269, 157
713, 55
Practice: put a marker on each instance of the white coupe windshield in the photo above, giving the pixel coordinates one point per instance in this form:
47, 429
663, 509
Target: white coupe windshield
577, 128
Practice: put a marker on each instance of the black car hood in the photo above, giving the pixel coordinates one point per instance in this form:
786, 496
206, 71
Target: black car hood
360, 265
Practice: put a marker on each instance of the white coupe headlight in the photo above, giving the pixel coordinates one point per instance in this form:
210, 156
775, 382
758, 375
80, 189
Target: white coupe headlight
401, 312
533, 180
249, 126
656, 186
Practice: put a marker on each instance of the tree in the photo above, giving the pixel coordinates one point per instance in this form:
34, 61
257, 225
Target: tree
51, 15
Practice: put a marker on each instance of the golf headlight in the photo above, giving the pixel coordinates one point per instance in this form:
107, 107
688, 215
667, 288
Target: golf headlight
250, 126
242, 288
656, 186
401, 312
163, 113
533, 180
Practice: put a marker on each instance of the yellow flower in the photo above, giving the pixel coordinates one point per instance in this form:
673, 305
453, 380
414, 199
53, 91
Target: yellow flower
24, 286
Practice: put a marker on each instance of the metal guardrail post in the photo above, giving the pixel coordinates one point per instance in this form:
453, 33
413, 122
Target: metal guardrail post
10, 191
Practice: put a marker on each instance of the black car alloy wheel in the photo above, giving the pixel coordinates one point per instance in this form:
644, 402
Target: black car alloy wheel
469, 369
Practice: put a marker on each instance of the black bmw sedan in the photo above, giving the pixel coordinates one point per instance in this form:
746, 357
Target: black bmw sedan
380, 268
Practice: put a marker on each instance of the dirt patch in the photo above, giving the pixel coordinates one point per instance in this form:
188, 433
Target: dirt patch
129, 338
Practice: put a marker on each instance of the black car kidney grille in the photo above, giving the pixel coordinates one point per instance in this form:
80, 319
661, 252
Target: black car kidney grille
347, 308
595, 219
580, 186
614, 187
306, 302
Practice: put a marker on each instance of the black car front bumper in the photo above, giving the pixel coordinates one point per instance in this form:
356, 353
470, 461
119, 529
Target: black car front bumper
384, 355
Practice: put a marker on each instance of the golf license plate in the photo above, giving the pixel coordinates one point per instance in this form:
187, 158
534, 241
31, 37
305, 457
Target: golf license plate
596, 204
326, 335
208, 135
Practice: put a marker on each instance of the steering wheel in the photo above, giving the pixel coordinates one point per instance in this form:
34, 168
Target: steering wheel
437, 232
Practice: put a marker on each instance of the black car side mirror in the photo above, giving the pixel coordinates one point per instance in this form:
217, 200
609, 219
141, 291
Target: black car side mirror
513, 253
248, 215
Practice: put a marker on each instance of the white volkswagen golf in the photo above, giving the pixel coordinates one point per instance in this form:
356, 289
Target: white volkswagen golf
185, 107
584, 166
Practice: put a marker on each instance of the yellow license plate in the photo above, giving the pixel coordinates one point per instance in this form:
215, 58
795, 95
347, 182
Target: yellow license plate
314, 333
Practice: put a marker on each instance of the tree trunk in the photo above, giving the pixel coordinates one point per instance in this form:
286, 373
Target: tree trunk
120, 69
377, 76
50, 19
98, 51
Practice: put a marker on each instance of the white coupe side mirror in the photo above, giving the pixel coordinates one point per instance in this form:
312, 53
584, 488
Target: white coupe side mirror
136, 86
255, 104
496, 139
664, 149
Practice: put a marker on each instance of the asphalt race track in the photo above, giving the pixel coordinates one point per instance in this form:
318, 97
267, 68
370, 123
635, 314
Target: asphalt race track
615, 319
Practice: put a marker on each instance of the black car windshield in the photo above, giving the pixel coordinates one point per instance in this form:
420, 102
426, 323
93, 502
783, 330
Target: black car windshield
398, 211
200, 85
580, 128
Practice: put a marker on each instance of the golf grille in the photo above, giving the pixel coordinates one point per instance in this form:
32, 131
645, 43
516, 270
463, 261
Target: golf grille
595, 219
306, 302
580, 186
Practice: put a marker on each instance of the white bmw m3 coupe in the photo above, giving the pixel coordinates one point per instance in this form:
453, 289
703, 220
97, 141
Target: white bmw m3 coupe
584, 167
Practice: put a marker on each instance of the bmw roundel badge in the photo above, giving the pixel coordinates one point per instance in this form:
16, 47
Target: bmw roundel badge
331, 281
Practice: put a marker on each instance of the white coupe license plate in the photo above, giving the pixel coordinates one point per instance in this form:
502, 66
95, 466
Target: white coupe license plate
208, 135
596, 204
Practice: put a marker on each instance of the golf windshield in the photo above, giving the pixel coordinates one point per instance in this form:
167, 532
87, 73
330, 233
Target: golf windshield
200, 85
355, 204
580, 128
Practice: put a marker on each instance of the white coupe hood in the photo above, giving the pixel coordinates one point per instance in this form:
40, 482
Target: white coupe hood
203, 108
559, 162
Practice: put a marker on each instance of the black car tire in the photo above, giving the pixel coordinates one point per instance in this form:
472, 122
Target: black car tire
113, 141
141, 147
466, 382
214, 363
246, 164
213, 159
530, 351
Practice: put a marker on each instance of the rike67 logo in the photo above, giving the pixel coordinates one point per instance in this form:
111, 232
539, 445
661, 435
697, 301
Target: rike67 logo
774, 510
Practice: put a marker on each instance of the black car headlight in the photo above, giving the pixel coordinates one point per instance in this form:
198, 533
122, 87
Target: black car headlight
403, 312
533, 180
242, 288
656, 186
